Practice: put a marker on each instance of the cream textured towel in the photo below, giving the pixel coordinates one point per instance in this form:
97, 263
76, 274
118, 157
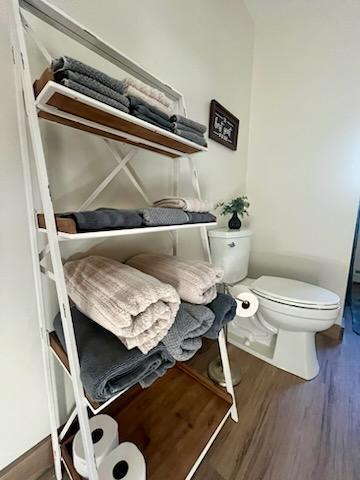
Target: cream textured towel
132, 91
194, 281
185, 203
149, 91
134, 306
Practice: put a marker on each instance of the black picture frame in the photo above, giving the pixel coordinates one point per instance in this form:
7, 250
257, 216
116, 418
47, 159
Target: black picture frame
223, 125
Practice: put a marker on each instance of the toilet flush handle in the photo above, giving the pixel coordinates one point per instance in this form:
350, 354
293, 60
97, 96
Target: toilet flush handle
232, 244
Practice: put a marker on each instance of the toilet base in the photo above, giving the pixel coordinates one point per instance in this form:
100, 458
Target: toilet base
294, 352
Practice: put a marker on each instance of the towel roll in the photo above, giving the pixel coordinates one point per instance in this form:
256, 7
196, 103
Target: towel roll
194, 281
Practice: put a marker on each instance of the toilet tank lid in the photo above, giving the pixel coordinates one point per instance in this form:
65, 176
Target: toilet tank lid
226, 233
294, 291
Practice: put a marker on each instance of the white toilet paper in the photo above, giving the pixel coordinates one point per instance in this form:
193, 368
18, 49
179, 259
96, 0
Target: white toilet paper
126, 462
105, 437
247, 302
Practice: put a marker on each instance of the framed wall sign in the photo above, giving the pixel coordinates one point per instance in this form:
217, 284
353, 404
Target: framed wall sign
223, 125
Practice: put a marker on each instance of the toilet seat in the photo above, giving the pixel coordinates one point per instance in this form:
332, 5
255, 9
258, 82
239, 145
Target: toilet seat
295, 293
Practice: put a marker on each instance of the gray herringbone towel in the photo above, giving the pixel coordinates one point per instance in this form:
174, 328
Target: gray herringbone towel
155, 217
106, 366
137, 308
64, 63
194, 281
183, 339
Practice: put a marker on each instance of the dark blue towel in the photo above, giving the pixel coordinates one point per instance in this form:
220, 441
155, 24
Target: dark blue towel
224, 308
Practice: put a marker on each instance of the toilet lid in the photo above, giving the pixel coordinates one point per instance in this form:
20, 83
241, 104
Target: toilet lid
293, 292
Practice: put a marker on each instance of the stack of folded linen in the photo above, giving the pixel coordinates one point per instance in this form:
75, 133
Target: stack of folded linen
106, 366
193, 131
148, 96
158, 216
89, 81
137, 308
196, 211
143, 110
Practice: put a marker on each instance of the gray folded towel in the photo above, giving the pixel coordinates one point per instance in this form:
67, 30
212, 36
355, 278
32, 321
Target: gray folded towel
154, 217
140, 102
224, 309
104, 219
78, 87
194, 281
93, 84
201, 217
106, 366
147, 112
183, 339
67, 63
193, 137
188, 123
147, 119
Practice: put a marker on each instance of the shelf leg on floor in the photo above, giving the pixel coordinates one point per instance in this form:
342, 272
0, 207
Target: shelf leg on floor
227, 373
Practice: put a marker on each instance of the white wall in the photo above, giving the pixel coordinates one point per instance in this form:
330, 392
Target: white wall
304, 166
201, 48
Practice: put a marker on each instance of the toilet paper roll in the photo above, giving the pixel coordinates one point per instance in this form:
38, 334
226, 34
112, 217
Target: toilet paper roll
247, 302
105, 437
126, 462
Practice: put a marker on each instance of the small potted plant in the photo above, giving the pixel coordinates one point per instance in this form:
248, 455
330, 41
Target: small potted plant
236, 206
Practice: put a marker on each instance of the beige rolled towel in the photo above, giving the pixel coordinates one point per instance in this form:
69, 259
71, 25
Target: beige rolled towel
130, 90
137, 308
185, 203
194, 281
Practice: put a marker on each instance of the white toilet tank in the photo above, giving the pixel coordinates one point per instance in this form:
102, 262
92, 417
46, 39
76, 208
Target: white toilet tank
230, 249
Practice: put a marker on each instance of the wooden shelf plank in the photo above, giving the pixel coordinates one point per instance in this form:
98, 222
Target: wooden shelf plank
173, 423
127, 231
60, 104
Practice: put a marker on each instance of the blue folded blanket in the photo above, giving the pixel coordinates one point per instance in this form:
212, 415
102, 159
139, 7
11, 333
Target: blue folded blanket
147, 112
187, 124
192, 136
92, 84
104, 219
147, 119
183, 339
78, 87
106, 366
224, 308
67, 63
139, 102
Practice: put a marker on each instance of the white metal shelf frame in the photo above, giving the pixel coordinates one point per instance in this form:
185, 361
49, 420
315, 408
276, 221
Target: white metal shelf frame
30, 131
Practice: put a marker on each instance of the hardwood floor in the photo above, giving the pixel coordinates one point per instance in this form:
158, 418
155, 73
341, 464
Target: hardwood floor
290, 429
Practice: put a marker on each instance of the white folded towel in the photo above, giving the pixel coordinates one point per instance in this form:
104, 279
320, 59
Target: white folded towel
187, 204
194, 281
130, 90
137, 308
149, 91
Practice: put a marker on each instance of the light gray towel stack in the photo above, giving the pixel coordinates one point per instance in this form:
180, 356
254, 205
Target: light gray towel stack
137, 308
183, 339
194, 281
189, 204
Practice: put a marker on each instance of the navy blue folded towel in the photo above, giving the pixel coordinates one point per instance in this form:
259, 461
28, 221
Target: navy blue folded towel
224, 308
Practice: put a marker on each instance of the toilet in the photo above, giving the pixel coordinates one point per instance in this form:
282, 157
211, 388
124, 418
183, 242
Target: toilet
282, 332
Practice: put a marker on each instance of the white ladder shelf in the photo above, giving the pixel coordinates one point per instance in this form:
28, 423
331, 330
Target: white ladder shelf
213, 406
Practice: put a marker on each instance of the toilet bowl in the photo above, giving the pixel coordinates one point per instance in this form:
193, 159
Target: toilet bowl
282, 332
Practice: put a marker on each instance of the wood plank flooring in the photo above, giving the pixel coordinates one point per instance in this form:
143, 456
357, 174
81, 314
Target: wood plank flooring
290, 429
